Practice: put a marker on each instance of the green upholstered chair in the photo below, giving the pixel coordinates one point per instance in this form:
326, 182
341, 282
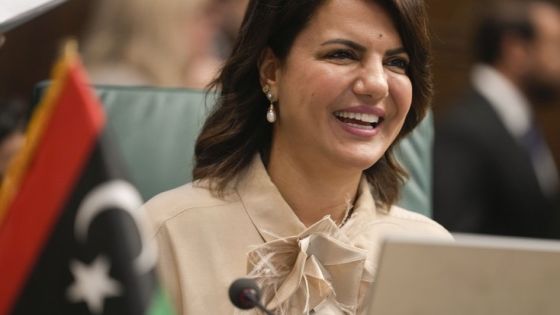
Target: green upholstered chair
156, 128
415, 154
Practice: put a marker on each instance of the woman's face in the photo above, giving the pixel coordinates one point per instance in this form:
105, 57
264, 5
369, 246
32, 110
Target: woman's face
343, 90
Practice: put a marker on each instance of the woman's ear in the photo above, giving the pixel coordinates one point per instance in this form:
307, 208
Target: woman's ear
269, 68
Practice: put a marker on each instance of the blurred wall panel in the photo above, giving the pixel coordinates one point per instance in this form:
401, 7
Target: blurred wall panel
30, 50
451, 31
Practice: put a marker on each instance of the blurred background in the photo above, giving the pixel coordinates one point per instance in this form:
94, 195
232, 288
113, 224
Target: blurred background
30, 50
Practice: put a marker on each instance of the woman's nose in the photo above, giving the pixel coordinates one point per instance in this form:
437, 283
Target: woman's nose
372, 82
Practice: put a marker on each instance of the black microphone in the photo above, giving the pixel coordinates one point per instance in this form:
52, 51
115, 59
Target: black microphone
245, 294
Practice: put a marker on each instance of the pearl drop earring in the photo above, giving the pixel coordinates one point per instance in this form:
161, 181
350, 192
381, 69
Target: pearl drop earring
271, 113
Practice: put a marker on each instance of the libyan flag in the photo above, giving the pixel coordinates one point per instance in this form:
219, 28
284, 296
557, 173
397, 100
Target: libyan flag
72, 237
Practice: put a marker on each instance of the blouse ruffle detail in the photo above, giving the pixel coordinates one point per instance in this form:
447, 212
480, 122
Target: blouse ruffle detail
320, 269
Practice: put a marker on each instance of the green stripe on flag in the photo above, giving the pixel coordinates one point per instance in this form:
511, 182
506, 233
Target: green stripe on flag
160, 304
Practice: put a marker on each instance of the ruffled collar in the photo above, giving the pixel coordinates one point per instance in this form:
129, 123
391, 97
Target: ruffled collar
322, 267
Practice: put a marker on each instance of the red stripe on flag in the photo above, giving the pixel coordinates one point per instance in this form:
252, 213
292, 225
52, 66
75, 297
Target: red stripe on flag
62, 152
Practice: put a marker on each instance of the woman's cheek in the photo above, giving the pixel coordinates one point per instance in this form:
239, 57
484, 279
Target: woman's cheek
400, 89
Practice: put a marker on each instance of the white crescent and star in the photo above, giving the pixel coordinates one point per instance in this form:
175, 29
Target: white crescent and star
92, 283
118, 194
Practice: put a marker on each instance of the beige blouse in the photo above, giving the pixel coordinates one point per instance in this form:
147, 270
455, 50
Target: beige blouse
205, 243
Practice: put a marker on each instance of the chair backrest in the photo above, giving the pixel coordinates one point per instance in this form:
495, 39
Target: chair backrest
156, 128
415, 154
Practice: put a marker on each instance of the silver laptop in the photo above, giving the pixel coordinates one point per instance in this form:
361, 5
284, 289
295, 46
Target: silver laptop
473, 275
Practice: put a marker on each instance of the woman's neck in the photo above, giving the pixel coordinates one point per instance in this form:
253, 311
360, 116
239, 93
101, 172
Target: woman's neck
313, 190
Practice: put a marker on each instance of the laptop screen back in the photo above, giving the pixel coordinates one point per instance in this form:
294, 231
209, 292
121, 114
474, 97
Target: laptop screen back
474, 275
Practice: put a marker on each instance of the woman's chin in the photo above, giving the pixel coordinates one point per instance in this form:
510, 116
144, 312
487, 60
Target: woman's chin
359, 162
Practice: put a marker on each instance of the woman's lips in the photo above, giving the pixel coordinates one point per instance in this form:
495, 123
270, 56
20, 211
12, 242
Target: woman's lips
359, 124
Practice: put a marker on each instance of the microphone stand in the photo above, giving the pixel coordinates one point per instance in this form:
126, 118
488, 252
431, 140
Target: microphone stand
251, 295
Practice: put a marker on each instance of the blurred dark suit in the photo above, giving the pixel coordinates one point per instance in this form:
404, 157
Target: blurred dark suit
493, 170
484, 181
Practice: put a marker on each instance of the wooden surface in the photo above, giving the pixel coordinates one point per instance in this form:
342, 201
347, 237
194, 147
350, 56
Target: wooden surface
30, 50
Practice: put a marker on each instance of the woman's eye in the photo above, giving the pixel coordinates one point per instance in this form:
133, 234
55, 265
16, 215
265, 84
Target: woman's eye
399, 63
341, 55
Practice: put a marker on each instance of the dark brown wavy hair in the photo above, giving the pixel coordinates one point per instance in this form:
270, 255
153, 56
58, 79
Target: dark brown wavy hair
237, 128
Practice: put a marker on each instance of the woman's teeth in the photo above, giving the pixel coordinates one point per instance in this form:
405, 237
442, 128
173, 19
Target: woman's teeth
367, 118
358, 120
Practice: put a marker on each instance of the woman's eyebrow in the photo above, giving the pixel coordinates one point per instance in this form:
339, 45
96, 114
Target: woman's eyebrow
346, 42
396, 51
358, 47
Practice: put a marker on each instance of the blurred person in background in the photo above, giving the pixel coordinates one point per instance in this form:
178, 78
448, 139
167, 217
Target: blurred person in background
13, 116
231, 14
150, 43
493, 171
217, 31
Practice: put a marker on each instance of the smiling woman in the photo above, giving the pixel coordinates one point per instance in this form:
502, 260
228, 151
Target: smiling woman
349, 73
294, 179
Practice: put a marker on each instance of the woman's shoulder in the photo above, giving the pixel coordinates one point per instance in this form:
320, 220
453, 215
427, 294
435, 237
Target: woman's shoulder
417, 222
191, 197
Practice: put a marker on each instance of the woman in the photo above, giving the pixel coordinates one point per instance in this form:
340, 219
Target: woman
313, 98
